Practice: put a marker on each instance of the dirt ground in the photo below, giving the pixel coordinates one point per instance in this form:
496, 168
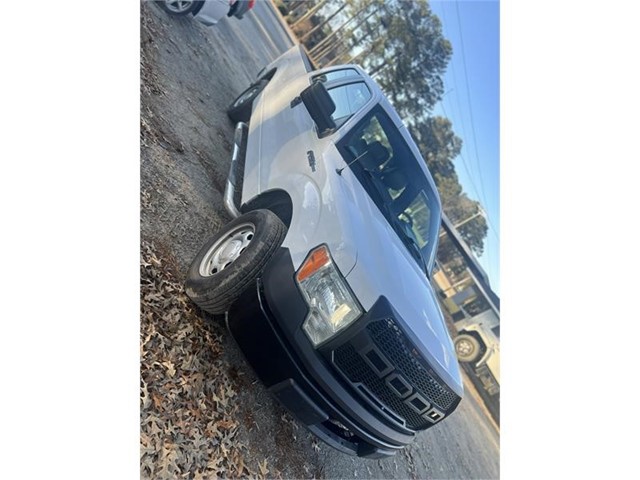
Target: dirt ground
204, 414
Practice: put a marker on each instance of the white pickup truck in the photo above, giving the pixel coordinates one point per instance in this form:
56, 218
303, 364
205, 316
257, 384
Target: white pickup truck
323, 274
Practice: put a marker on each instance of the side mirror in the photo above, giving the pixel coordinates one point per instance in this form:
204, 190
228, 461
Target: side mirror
320, 106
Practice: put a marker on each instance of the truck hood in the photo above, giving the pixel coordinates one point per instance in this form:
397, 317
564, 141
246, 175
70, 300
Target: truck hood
384, 267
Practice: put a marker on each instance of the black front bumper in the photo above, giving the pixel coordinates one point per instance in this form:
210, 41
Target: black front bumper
266, 321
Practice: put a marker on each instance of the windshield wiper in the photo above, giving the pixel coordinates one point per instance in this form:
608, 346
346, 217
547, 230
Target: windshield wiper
417, 249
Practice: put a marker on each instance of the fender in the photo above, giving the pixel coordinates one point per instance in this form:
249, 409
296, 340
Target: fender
310, 220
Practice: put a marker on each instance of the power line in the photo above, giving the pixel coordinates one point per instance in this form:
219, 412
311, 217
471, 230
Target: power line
473, 185
466, 76
480, 192
455, 84
464, 162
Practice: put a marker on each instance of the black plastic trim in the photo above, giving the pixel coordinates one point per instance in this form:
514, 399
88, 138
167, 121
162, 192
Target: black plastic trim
306, 60
266, 323
359, 338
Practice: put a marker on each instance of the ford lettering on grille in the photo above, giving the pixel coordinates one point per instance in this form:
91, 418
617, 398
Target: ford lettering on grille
399, 385
388, 371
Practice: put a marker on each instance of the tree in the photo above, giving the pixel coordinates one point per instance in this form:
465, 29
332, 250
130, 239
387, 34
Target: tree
406, 50
449, 189
439, 146
309, 14
299, 5
342, 41
322, 24
438, 143
414, 57
475, 231
472, 225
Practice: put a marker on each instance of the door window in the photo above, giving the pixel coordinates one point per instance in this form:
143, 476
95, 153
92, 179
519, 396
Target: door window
348, 100
336, 75
391, 174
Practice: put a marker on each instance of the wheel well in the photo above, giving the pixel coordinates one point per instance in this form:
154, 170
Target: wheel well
278, 201
476, 335
199, 5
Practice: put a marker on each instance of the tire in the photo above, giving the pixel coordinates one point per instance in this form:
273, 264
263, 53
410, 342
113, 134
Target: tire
467, 348
232, 259
179, 8
240, 109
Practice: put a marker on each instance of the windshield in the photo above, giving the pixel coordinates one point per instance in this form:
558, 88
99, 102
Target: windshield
384, 164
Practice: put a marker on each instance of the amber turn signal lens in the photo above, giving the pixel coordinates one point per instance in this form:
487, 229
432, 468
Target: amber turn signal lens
317, 259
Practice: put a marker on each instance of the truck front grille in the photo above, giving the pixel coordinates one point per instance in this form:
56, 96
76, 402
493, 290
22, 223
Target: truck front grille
394, 375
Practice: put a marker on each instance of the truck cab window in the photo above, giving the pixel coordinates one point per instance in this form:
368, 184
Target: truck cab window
418, 216
348, 100
382, 161
336, 75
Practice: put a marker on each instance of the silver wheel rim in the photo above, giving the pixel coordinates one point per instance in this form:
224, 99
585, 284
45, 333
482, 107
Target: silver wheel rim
245, 96
464, 347
227, 250
179, 6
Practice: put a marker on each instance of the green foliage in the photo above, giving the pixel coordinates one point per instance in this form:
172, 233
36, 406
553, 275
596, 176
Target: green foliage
415, 55
439, 146
475, 230
438, 143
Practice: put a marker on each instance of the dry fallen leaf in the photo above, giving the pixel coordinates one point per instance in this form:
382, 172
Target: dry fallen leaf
188, 424
263, 467
157, 400
226, 424
171, 371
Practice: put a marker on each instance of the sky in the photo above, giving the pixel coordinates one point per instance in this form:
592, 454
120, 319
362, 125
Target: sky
471, 102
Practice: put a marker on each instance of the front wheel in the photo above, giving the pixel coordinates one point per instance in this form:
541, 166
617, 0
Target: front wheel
178, 7
240, 109
232, 259
467, 348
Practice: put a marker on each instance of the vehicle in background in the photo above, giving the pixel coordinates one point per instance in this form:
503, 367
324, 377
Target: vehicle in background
208, 12
478, 343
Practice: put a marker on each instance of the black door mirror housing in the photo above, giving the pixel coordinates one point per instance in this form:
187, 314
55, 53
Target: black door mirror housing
320, 106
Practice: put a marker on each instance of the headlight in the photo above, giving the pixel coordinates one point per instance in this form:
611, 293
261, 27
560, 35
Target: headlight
332, 307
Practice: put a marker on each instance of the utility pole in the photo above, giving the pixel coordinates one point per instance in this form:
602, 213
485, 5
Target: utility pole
477, 214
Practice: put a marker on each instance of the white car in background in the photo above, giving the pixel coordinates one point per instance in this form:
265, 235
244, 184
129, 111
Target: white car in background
208, 12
